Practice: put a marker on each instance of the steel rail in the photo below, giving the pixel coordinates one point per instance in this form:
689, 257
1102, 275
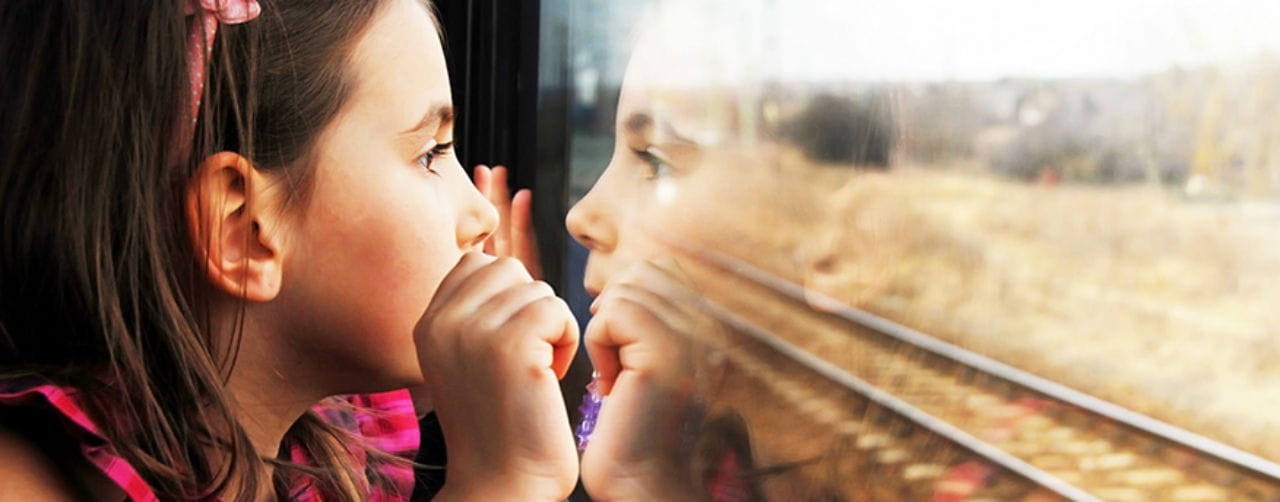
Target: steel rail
890, 402
1141, 423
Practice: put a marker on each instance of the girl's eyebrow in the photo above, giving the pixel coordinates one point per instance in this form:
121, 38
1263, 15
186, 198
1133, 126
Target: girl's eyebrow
439, 114
642, 123
638, 123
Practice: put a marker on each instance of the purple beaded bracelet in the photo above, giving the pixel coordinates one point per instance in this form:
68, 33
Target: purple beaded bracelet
590, 410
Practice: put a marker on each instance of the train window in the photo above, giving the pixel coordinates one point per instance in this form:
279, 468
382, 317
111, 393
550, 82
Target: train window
1007, 249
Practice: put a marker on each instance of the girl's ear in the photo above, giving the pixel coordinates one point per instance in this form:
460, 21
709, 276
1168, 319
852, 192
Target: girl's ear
233, 224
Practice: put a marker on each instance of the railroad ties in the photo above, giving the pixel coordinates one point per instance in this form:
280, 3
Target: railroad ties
887, 413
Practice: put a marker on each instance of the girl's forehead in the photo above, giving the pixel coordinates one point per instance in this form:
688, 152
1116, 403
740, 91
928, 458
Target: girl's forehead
399, 67
694, 71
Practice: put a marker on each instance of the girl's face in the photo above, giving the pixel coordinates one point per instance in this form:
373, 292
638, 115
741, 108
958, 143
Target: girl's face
682, 169
390, 212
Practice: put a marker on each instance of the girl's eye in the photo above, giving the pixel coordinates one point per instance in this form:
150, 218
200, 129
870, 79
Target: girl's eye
434, 150
657, 161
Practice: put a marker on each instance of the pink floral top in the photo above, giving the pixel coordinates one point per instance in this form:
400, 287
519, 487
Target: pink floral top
386, 420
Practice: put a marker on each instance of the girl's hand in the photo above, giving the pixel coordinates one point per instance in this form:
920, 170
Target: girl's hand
514, 236
642, 342
492, 345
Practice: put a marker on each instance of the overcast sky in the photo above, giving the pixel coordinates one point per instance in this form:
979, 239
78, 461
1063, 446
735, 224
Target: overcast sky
988, 39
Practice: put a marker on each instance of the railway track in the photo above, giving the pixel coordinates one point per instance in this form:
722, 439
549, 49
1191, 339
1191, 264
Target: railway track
894, 414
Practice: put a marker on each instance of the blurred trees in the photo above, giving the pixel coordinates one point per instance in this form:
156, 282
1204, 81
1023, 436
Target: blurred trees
1210, 132
834, 129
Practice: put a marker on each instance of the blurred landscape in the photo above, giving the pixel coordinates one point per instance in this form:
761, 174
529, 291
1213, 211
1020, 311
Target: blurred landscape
1119, 236
1091, 199
1132, 294
1211, 131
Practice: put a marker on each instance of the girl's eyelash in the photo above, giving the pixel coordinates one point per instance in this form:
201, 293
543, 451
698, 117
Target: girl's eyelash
658, 163
425, 159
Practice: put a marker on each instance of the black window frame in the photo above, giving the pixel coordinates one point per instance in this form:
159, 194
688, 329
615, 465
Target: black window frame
507, 115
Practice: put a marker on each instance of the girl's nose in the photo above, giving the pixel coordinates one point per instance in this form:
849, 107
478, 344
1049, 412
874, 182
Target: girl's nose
590, 226
477, 221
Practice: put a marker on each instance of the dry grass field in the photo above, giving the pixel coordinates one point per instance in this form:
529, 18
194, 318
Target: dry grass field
1132, 294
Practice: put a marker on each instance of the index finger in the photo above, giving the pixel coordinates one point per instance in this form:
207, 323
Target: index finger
484, 180
500, 196
524, 242
466, 266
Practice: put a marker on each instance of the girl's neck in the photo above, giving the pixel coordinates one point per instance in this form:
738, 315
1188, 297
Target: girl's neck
268, 390
267, 399
266, 406
266, 410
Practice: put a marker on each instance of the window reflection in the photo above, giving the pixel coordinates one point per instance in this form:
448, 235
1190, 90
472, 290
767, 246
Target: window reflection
1087, 191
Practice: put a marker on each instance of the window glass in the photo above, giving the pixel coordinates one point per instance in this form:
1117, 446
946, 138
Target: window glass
1088, 191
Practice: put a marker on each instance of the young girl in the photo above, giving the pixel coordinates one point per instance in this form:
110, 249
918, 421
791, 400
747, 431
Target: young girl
217, 213
700, 167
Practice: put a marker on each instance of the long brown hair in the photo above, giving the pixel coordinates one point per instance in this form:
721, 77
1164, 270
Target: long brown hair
99, 289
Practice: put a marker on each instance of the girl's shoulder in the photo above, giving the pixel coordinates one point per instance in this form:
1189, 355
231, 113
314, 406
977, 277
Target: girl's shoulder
28, 472
44, 435
49, 440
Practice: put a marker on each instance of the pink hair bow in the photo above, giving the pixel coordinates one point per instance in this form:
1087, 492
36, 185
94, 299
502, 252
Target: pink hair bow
199, 48
226, 11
